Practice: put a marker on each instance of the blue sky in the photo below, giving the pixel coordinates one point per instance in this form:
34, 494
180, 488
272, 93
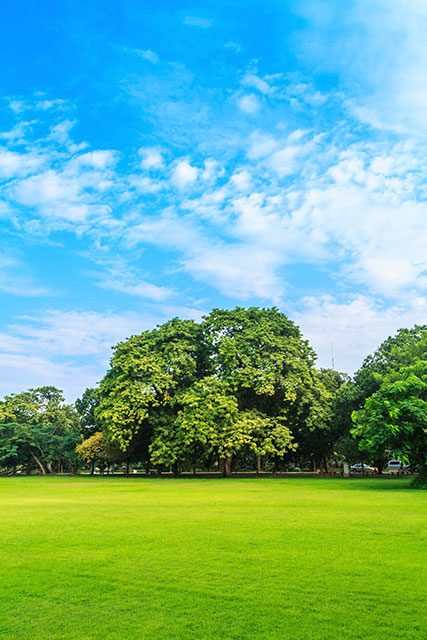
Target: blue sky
164, 160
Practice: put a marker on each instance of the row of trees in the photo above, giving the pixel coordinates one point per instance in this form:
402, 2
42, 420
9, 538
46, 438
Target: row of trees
38, 430
238, 390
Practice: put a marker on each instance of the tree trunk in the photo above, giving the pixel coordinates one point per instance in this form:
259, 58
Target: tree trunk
258, 464
314, 466
38, 462
175, 469
92, 467
227, 466
221, 465
127, 467
379, 466
49, 467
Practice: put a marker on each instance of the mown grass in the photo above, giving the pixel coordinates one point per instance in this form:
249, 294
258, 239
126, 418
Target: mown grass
129, 559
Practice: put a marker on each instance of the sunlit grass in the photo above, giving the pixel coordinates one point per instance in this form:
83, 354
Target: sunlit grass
123, 559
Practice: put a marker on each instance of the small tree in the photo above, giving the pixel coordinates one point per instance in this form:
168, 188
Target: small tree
97, 449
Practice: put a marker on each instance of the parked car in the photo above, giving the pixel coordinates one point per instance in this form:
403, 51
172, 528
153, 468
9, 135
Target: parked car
410, 468
361, 468
394, 466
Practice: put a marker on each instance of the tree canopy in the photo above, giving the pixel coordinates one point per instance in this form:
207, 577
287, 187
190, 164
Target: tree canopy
395, 416
239, 381
38, 427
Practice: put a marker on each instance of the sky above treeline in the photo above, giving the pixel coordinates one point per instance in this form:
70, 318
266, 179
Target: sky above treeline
162, 159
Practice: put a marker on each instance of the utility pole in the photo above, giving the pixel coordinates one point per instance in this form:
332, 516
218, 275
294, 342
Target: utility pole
332, 355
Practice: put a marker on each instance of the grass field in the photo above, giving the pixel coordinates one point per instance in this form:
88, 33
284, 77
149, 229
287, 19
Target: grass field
129, 559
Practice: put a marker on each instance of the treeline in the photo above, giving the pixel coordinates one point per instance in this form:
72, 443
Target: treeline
237, 391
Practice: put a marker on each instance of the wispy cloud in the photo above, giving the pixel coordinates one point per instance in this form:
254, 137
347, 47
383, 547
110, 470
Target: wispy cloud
356, 202
378, 50
350, 328
119, 276
233, 45
147, 54
249, 103
191, 173
184, 174
198, 21
16, 278
69, 349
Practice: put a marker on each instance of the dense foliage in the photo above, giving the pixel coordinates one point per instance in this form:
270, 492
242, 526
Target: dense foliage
394, 418
38, 429
239, 390
240, 387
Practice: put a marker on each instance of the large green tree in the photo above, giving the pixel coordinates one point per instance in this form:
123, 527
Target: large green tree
261, 355
403, 349
253, 361
394, 418
207, 422
140, 392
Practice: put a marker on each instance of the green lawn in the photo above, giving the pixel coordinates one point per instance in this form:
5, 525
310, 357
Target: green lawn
128, 559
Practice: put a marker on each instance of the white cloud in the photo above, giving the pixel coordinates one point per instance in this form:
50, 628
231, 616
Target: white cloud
147, 54
237, 271
380, 54
100, 159
184, 174
141, 289
211, 170
242, 180
233, 45
19, 372
253, 81
145, 184
18, 132
249, 103
16, 278
75, 333
67, 349
18, 106
354, 327
13, 164
285, 161
197, 21
151, 158
374, 218
125, 281
56, 195
261, 145
45, 105
70, 349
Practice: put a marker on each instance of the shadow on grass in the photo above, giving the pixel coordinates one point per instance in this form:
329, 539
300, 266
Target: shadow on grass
364, 483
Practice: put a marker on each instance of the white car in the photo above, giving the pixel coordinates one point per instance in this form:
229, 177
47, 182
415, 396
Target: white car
394, 466
361, 468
